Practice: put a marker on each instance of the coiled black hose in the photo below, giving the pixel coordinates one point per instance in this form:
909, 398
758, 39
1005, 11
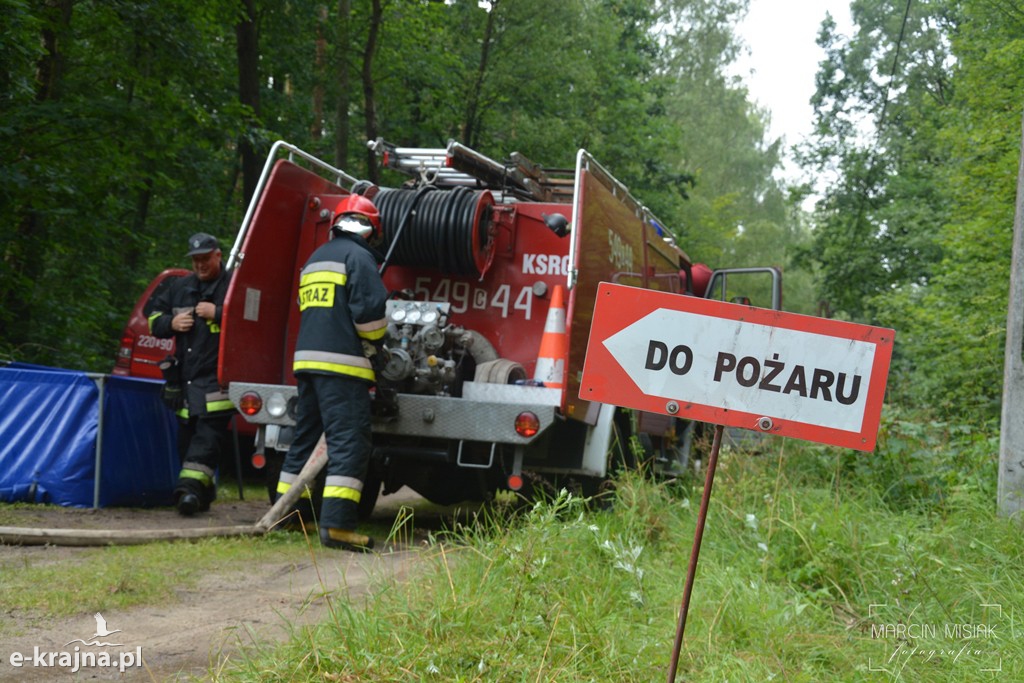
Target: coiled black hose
449, 230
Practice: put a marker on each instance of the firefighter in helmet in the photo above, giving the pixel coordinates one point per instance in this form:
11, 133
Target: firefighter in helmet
190, 311
342, 303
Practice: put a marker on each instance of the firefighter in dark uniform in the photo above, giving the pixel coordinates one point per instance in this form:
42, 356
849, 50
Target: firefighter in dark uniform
342, 303
190, 311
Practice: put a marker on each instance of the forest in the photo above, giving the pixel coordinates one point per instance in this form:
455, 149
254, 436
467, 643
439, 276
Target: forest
126, 125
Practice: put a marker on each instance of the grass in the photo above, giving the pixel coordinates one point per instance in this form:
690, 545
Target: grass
87, 580
816, 565
811, 570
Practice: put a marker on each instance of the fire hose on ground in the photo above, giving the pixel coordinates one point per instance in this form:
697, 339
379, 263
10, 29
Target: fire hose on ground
100, 537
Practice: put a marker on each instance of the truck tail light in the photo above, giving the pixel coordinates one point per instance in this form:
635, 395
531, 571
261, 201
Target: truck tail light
123, 362
250, 403
527, 424
259, 461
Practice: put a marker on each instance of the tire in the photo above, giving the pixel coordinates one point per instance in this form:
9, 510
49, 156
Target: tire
371, 491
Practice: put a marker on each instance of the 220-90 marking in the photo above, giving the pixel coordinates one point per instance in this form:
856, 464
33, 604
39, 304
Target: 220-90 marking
147, 341
461, 296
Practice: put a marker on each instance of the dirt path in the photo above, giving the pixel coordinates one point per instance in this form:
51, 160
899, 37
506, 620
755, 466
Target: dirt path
211, 620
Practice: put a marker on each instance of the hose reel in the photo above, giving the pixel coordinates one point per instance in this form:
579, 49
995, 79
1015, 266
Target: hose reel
450, 231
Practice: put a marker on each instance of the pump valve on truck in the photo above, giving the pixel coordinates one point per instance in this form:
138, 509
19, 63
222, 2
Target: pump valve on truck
480, 256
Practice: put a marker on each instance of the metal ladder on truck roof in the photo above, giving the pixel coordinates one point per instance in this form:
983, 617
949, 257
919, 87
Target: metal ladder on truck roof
458, 165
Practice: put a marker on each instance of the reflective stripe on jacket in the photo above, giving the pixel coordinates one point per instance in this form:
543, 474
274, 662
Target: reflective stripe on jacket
342, 301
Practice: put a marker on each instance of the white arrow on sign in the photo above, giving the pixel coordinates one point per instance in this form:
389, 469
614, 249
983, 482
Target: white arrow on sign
787, 374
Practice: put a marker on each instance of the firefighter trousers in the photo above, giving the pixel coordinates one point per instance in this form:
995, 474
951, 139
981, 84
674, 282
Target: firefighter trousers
339, 408
201, 441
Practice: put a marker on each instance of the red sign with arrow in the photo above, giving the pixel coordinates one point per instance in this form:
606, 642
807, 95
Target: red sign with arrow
780, 373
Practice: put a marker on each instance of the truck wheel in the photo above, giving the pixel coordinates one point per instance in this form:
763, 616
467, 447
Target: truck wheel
371, 491
620, 451
272, 471
620, 458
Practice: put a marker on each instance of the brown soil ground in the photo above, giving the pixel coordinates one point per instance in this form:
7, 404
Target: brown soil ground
207, 625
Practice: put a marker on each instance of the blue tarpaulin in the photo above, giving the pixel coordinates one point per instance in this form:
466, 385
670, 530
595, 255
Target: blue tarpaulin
84, 440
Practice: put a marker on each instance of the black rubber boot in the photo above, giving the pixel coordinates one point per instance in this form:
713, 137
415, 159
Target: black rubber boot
188, 497
188, 504
206, 499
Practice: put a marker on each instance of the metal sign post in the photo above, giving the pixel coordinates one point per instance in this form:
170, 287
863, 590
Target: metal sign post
732, 365
691, 569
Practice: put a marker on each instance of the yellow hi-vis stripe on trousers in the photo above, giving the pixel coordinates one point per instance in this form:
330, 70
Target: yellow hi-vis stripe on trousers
348, 488
284, 484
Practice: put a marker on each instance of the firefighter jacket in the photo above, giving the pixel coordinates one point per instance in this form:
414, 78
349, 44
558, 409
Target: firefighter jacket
196, 350
342, 301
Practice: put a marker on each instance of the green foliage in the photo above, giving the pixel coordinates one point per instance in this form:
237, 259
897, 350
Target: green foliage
879, 106
957, 324
919, 121
121, 125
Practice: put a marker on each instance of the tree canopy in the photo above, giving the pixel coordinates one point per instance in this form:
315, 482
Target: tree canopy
918, 117
126, 125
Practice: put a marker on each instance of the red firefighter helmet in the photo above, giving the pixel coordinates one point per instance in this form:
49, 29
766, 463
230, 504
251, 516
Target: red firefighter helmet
357, 214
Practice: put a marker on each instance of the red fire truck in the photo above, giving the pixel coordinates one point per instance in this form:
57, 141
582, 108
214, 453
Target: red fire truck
477, 252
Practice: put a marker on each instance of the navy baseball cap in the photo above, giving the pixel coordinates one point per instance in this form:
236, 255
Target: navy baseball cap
201, 243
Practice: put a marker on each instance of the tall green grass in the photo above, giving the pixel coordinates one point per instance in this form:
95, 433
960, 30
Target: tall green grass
814, 564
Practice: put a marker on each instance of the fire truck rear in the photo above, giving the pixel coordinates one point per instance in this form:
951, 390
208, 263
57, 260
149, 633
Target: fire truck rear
493, 270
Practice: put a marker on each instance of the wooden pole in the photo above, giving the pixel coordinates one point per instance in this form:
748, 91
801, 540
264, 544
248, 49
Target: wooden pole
1010, 495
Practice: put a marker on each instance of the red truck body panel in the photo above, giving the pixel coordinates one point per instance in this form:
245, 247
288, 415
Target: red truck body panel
260, 319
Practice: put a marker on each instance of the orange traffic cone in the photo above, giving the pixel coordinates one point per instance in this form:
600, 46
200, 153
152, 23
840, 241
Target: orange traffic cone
554, 344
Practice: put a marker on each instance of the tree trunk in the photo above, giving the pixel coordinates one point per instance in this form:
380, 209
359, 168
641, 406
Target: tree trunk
472, 125
368, 92
247, 49
316, 128
23, 256
51, 65
341, 127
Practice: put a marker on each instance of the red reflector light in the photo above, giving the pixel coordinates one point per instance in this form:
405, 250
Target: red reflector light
515, 482
127, 342
527, 424
123, 360
259, 461
250, 403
